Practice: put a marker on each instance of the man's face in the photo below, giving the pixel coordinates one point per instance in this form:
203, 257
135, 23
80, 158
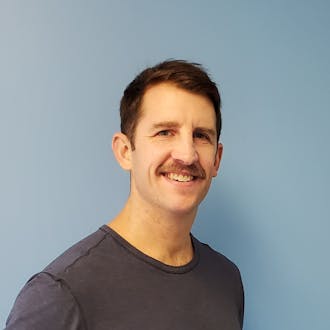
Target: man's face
176, 150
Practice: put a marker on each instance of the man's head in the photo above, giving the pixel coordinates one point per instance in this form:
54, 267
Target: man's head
187, 76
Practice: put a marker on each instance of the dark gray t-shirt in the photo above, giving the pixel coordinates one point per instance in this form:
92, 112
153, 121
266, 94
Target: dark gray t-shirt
104, 283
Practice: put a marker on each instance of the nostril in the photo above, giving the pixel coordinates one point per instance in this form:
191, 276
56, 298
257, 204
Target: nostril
186, 157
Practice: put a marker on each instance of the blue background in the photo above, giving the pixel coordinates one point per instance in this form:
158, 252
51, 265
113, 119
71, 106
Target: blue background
63, 67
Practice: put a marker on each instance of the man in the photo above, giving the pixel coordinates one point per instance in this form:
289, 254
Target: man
144, 270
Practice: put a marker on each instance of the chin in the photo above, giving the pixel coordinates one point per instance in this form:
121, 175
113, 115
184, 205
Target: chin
183, 210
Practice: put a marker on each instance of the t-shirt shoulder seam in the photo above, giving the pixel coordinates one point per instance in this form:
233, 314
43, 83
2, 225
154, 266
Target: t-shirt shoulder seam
57, 273
87, 252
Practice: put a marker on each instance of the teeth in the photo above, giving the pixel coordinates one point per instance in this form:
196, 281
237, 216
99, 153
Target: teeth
180, 177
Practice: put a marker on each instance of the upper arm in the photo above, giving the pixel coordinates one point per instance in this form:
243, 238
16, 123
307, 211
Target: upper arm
45, 303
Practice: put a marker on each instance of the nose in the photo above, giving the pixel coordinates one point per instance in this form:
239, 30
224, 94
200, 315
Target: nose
184, 151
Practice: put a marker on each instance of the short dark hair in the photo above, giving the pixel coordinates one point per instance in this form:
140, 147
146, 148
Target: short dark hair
189, 76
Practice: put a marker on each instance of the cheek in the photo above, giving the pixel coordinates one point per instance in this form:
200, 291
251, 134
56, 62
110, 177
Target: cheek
144, 162
156, 155
207, 156
211, 167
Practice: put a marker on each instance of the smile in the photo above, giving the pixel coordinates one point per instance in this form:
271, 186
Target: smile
179, 177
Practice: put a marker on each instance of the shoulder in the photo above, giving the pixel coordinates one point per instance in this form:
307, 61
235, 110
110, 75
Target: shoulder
209, 255
45, 303
48, 297
77, 252
216, 265
223, 274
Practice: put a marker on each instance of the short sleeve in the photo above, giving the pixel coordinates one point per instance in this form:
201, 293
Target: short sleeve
45, 303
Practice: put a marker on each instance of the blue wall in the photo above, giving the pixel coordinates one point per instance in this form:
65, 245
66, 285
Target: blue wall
63, 67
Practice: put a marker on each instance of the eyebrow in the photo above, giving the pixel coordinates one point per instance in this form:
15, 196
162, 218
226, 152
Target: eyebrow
167, 124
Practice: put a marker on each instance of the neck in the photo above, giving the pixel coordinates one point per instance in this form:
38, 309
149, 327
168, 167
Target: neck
161, 235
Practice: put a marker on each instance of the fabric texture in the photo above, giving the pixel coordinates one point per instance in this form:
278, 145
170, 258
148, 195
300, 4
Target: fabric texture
104, 283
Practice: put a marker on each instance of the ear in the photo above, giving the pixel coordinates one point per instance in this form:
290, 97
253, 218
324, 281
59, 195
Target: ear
121, 148
217, 160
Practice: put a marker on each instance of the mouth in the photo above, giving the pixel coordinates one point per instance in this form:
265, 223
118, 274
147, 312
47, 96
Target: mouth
180, 177
182, 174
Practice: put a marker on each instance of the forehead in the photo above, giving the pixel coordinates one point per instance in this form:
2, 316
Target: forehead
165, 101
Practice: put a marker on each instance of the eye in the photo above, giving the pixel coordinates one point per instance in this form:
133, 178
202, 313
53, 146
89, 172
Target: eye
202, 136
164, 132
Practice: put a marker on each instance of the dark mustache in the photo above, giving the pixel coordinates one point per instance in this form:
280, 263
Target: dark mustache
195, 169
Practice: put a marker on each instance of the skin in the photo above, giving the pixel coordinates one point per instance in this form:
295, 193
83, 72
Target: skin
176, 156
